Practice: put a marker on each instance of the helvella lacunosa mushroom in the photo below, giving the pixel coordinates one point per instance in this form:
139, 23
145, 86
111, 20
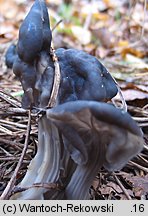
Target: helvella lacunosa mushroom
82, 132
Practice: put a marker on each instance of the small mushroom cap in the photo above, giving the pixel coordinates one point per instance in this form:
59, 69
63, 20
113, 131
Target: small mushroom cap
10, 56
34, 33
84, 77
88, 125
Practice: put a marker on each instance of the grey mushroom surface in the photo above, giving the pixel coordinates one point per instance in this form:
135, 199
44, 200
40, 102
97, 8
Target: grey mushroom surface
83, 77
10, 55
95, 134
34, 33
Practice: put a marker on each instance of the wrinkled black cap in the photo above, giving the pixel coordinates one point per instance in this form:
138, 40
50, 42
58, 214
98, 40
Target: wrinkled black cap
88, 125
84, 77
34, 33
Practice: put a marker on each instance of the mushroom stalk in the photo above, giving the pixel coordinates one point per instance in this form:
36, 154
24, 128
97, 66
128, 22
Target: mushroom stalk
84, 175
44, 168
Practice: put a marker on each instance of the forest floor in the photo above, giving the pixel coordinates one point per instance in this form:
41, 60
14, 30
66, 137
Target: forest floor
116, 33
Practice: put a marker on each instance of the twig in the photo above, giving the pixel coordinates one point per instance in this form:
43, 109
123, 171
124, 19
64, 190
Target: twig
124, 105
55, 26
5, 130
37, 185
10, 95
144, 18
138, 110
18, 125
20, 111
13, 110
145, 147
145, 107
141, 119
130, 12
6, 152
143, 159
89, 17
143, 124
56, 83
10, 99
14, 144
11, 183
13, 159
121, 186
139, 166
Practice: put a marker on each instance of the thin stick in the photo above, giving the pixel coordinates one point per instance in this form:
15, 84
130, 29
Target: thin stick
139, 166
89, 16
144, 18
124, 105
15, 110
143, 159
56, 84
145, 147
48, 186
11, 183
58, 23
18, 125
10, 95
121, 186
5, 130
141, 119
10, 99
143, 124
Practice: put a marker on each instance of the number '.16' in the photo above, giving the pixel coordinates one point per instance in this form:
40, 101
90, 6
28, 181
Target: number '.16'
138, 207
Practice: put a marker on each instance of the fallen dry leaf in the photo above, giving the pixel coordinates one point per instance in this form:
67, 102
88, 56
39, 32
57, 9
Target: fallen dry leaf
107, 38
136, 62
140, 185
132, 94
134, 52
81, 34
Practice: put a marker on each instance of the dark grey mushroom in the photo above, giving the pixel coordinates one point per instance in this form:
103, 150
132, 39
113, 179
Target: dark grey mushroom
27, 76
45, 166
75, 140
83, 77
10, 56
34, 33
95, 135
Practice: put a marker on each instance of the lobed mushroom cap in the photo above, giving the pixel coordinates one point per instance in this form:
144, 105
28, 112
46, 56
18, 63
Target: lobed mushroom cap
103, 111
88, 125
34, 33
84, 77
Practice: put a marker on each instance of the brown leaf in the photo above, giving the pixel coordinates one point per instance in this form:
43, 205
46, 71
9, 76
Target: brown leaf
81, 34
9, 9
106, 38
111, 186
132, 51
132, 94
140, 185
